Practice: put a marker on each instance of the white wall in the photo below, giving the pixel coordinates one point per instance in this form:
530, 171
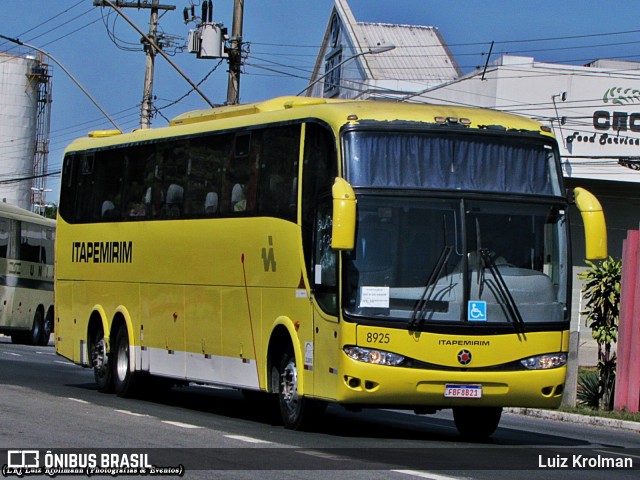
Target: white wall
601, 109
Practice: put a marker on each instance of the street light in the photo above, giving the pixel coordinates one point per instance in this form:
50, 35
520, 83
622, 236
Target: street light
370, 51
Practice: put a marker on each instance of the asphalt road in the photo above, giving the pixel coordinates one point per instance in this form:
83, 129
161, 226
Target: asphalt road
49, 404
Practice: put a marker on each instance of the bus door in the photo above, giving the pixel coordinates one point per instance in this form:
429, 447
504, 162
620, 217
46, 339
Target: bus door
325, 295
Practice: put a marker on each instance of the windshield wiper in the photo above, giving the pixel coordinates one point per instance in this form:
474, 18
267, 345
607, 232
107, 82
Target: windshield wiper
421, 307
503, 295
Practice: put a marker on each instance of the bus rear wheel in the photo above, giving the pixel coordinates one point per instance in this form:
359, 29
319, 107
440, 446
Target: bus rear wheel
101, 364
477, 423
123, 377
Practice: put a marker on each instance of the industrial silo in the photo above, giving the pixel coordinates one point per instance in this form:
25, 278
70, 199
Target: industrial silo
19, 89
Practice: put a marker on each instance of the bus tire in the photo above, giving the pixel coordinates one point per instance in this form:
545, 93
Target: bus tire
100, 360
124, 380
34, 337
477, 423
45, 335
297, 412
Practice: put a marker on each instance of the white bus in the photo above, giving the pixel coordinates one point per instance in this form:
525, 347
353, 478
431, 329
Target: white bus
26, 275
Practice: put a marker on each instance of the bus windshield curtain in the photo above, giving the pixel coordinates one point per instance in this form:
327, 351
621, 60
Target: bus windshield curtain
377, 159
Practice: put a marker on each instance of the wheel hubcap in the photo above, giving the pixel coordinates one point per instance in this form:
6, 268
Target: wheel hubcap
99, 359
122, 362
289, 386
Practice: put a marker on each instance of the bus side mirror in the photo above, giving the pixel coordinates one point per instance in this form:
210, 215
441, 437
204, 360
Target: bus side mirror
343, 232
595, 228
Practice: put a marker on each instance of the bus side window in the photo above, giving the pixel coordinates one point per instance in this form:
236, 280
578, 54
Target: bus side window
211, 203
174, 198
241, 173
30, 243
4, 237
68, 188
238, 198
206, 174
320, 167
279, 160
325, 268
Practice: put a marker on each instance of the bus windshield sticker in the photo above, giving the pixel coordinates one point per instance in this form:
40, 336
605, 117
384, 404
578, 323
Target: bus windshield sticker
374, 297
318, 271
308, 356
477, 311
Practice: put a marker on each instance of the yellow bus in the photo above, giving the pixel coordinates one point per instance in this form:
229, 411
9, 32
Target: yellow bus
368, 254
26, 278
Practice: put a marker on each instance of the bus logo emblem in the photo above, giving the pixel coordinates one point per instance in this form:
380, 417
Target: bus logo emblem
464, 357
268, 257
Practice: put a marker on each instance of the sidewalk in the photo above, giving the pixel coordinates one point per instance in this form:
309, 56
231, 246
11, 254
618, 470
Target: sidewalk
576, 418
587, 349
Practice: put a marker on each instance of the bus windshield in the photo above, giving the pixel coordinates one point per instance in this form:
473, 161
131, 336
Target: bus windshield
425, 260
450, 161
422, 259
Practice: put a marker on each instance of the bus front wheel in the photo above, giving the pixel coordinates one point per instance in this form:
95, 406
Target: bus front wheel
477, 423
123, 377
101, 363
297, 411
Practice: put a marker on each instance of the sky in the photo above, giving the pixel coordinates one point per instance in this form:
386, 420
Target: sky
282, 41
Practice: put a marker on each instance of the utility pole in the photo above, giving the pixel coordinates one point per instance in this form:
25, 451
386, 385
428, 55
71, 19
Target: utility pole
150, 43
235, 54
208, 40
147, 94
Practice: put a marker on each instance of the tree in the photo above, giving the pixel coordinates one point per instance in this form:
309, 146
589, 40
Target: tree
601, 292
51, 211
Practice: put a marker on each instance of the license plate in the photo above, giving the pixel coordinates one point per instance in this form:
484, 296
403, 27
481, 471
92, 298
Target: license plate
463, 391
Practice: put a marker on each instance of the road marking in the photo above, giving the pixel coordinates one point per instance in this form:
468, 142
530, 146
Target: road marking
65, 363
134, 414
325, 455
180, 424
77, 400
14, 354
431, 476
242, 438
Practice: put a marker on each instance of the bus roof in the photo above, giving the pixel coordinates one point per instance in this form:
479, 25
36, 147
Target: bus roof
336, 112
16, 213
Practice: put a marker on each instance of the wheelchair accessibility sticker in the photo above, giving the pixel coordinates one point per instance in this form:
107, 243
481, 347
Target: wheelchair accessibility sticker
477, 311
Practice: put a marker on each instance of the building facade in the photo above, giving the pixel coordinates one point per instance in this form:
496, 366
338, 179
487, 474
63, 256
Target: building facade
378, 60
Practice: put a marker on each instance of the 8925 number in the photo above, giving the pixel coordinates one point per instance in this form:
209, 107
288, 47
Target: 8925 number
378, 337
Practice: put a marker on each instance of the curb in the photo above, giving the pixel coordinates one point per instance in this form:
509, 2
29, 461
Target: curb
576, 418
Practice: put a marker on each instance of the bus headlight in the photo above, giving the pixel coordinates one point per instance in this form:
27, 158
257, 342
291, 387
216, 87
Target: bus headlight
545, 362
369, 355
